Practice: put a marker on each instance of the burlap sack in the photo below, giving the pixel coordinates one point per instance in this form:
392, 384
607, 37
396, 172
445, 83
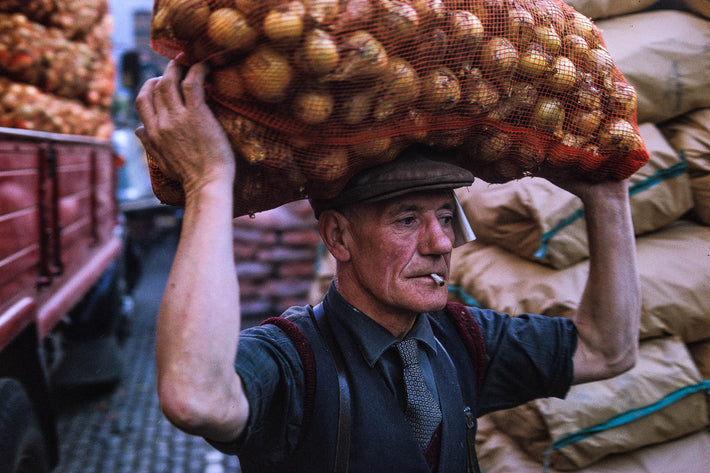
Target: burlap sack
700, 352
541, 222
660, 399
675, 281
690, 134
701, 195
597, 9
701, 7
498, 453
665, 55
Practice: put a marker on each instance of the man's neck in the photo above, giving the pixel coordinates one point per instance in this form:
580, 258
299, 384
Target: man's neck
397, 322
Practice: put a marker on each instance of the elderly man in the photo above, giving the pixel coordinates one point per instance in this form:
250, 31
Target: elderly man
384, 375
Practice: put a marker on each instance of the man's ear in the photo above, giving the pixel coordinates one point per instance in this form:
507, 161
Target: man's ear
334, 231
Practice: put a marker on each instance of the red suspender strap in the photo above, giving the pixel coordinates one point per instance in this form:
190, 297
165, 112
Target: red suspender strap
471, 336
303, 347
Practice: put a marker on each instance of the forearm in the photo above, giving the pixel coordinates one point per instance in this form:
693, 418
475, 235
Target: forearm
608, 316
199, 323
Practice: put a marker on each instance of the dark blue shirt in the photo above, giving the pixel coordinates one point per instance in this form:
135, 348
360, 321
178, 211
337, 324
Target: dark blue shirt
528, 357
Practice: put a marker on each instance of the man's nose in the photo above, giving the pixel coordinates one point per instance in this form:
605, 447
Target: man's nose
439, 238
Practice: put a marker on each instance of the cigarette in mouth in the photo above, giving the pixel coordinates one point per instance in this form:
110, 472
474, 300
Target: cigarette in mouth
437, 279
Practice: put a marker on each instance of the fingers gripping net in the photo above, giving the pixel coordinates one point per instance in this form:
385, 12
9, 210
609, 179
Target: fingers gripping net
312, 91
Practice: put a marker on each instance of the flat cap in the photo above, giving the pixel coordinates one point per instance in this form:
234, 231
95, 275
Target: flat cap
417, 168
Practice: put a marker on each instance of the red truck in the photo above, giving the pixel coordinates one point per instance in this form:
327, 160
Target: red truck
62, 283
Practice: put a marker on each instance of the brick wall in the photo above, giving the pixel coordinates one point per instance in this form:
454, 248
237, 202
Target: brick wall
275, 253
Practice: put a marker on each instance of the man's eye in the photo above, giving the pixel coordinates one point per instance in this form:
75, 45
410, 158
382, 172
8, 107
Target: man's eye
407, 221
447, 220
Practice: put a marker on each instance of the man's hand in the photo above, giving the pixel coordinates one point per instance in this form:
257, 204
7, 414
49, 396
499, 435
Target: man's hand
181, 133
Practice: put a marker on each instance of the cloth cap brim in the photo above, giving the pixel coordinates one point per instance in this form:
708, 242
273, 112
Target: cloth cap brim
415, 169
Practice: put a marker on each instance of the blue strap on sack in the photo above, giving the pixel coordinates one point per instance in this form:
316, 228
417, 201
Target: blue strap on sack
623, 418
658, 177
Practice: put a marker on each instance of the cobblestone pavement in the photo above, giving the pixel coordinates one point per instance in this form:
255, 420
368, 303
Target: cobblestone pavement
123, 431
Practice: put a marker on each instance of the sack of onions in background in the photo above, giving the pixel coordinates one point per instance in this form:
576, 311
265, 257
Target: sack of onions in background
312, 91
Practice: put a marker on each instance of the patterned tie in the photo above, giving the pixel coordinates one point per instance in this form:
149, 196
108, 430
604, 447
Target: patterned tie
422, 410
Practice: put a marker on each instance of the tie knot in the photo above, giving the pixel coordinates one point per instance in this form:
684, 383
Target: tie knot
408, 352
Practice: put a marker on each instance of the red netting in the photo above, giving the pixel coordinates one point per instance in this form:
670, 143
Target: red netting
311, 91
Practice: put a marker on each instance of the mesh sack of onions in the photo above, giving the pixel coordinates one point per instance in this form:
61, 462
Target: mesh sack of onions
312, 91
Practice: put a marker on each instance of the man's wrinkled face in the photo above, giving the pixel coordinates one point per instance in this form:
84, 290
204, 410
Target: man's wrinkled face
398, 244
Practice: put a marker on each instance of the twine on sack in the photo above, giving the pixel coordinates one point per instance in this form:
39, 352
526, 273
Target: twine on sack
622, 418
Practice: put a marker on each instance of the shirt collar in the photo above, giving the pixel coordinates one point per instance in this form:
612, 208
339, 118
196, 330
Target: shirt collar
372, 338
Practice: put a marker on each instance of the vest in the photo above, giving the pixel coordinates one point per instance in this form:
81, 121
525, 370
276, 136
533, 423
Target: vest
381, 440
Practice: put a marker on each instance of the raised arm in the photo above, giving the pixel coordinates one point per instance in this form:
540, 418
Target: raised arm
609, 313
199, 319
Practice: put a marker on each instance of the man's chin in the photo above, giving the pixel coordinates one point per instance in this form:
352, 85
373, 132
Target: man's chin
434, 304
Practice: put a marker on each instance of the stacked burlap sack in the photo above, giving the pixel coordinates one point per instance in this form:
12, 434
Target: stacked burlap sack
531, 256
312, 91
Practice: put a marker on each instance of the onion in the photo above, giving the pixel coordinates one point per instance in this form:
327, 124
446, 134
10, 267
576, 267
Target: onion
548, 115
399, 19
441, 90
492, 144
418, 123
623, 99
580, 25
573, 141
321, 12
478, 94
229, 29
431, 48
371, 148
356, 108
318, 54
548, 13
313, 106
401, 82
564, 75
244, 136
355, 15
547, 36
362, 56
601, 60
521, 25
586, 122
267, 74
523, 95
448, 139
535, 61
588, 95
191, 18
500, 55
602, 66
400, 85
430, 10
619, 135
285, 23
333, 163
227, 82
466, 28
530, 151
247, 7
577, 49
160, 23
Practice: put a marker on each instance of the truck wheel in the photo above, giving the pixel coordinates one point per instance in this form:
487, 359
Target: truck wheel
22, 444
